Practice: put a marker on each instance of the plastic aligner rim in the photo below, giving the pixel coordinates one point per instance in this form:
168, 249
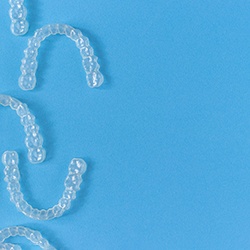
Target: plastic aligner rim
27, 80
34, 236
72, 184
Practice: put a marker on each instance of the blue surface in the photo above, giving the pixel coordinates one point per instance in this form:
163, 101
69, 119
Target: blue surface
166, 138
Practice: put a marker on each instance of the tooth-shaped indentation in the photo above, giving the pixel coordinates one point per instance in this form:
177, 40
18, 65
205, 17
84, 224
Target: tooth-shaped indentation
18, 13
27, 80
33, 139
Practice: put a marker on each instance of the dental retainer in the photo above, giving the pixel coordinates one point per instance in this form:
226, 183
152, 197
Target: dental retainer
72, 184
27, 80
34, 236
33, 140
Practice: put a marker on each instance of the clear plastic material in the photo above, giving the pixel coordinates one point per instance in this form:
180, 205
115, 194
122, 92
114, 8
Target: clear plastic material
72, 184
27, 80
34, 236
18, 13
33, 140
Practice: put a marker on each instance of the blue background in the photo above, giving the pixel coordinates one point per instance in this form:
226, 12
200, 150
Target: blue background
166, 138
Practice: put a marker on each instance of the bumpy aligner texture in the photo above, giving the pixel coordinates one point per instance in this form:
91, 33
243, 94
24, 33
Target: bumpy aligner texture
33, 140
27, 81
18, 12
72, 184
34, 236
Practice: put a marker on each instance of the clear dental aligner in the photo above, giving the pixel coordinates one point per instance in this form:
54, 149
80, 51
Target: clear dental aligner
33, 140
18, 12
27, 80
34, 236
72, 184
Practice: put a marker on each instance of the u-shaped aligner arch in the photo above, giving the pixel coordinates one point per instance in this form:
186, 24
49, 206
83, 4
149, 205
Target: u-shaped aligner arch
34, 236
27, 80
72, 184
33, 140
18, 13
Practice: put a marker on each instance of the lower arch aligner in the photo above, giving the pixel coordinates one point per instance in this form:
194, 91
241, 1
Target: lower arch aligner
77, 168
